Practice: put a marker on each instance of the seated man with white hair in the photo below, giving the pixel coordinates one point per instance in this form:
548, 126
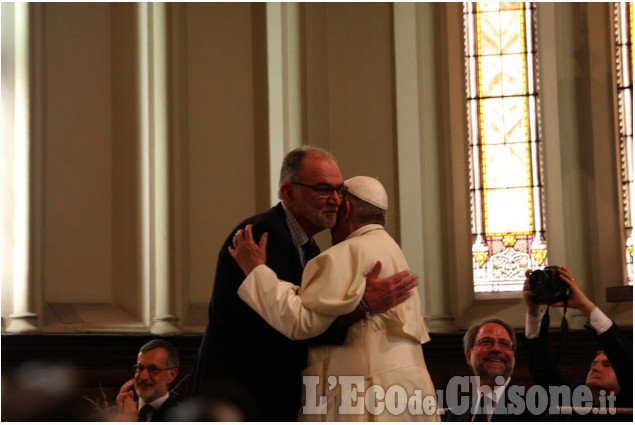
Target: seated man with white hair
380, 367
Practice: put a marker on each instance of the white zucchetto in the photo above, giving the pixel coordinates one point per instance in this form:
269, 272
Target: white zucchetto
368, 189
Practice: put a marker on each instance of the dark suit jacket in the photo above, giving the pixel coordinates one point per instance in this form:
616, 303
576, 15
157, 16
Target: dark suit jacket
239, 348
502, 411
619, 353
162, 414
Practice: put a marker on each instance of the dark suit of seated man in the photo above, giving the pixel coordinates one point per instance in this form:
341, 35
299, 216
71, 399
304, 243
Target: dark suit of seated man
156, 368
489, 348
611, 371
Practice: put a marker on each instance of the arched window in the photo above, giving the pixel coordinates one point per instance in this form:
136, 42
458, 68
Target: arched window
624, 66
504, 144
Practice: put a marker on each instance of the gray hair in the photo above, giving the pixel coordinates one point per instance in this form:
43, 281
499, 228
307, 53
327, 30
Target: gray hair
173, 355
366, 212
470, 336
294, 161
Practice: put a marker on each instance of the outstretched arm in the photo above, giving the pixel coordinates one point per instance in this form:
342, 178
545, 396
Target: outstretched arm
381, 295
577, 299
611, 339
276, 301
537, 351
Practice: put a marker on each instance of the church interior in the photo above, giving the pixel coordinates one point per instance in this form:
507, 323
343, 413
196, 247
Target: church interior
135, 136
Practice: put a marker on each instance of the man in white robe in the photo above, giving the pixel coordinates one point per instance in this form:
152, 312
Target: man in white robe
383, 353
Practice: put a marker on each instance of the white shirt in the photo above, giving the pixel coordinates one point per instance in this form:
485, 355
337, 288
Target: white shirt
597, 319
493, 393
156, 404
298, 235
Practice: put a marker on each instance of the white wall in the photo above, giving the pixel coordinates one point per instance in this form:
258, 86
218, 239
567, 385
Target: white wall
379, 85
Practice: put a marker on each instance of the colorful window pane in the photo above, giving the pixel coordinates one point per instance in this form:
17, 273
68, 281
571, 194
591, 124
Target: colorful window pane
504, 144
624, 66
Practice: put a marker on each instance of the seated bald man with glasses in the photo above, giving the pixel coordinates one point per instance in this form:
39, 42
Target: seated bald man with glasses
156, 368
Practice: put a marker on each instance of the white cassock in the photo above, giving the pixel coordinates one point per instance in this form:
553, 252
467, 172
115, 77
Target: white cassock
385, 349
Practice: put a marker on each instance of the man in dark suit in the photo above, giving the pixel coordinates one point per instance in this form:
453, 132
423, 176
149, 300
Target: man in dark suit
611, 371
156, 368
239, 348
490, 348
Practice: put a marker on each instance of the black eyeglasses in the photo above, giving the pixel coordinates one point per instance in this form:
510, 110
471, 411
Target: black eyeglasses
152, 369
489, 343
324, 189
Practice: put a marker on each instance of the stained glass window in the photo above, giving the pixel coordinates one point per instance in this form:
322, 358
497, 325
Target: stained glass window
504, 144
624, 66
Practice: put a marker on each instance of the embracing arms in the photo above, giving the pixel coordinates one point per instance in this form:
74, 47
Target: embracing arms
379, 294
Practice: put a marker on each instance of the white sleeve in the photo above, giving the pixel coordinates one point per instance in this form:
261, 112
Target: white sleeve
278, 302
532, 324
333, 284
599, 321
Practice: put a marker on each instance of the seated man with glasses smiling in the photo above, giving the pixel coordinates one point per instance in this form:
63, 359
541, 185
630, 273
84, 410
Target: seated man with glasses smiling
490, 348
156, 368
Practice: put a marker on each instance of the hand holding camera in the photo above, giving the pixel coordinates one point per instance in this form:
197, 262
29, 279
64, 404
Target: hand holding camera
552, 286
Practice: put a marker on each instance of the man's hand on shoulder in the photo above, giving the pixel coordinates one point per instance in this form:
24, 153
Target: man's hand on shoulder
246, 252
383, 294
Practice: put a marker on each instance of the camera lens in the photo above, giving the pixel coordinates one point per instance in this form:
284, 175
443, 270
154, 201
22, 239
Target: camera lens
548, 287
537, 279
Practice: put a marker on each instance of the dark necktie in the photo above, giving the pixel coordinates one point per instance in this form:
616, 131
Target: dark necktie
145, 413
481, 413
480, 417
310, 250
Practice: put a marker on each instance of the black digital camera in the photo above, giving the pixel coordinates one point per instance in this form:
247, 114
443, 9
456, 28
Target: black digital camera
548, 287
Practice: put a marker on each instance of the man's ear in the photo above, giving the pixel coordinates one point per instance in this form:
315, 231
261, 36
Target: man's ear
345, 208
468, 353
173, 373
286, 192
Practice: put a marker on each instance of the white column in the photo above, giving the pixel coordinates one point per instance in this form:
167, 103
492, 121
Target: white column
284, 86
155, 182
564, 175
417, 150
23, 319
